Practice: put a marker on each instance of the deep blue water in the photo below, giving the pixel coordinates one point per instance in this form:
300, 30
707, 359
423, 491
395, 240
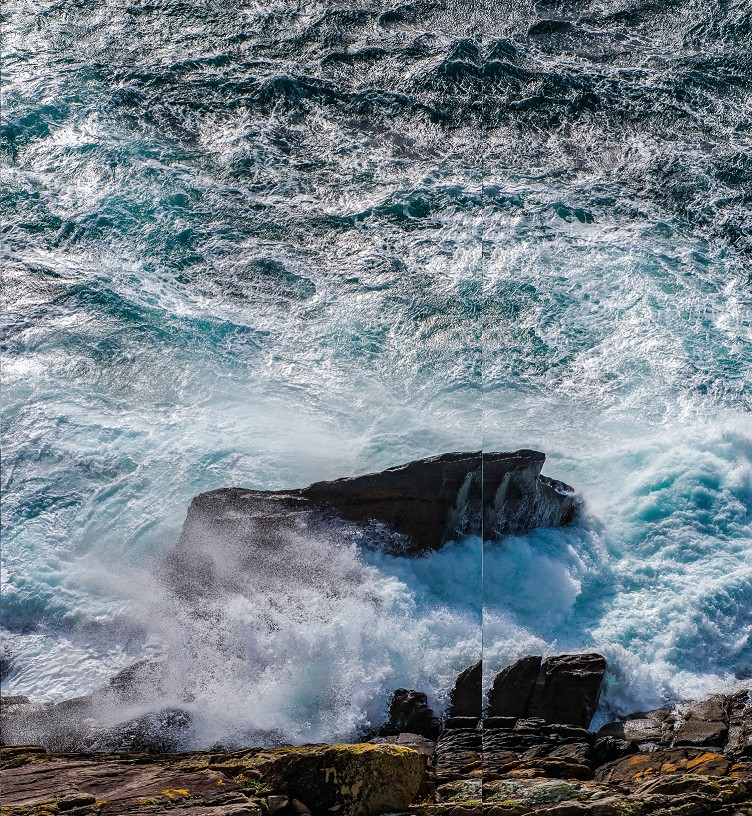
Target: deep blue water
270, 243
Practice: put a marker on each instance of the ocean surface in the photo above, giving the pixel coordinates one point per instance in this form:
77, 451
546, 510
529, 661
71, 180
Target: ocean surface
273, 242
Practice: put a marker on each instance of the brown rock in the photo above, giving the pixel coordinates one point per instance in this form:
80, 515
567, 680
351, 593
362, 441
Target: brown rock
641, 767
123, 781
362, 780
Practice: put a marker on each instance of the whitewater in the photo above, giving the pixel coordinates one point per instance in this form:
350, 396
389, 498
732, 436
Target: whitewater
265, 244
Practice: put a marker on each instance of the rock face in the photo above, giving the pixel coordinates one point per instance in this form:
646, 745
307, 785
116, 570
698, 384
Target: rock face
466, 698
564, 689
568, 689
413, 508
513, 688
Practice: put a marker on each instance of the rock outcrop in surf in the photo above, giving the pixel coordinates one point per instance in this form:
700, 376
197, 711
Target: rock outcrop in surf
418, 506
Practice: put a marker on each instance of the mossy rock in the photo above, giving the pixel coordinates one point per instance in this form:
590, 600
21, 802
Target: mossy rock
462, 790
347, 780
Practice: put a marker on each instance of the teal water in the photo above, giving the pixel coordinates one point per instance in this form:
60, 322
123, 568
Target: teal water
266, 244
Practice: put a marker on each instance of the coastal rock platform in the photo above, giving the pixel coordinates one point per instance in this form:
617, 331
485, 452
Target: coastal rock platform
689, 759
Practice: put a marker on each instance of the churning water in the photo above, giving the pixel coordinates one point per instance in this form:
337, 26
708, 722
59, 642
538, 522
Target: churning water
267, 243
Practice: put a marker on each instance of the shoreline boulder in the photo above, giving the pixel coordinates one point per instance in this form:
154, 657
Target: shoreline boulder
563, 689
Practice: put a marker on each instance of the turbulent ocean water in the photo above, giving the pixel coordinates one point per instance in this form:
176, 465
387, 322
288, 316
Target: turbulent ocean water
268, 243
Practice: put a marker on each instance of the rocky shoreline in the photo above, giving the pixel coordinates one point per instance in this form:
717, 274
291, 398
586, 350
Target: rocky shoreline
526, 752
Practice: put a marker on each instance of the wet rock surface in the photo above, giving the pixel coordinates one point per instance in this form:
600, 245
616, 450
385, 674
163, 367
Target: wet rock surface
409, 509
466, 698
513, 688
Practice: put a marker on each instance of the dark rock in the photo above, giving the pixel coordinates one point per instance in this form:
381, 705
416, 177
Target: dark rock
641, 727
422, 504
349, 779
569, 733
71, 802
739, 739
703, 723
6, 665
533, 725
563, 690
59, 726
461, 722
72, 725
142, 680
577, 752
17, 699
502, 739
466, 698
568, 689
409, 712
513, 688
608, 749
701, 733
499, 722
719, 722
458, 754
465, 738
277, 802
517, 499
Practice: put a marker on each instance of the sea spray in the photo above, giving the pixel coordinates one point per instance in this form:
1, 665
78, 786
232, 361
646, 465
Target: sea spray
302, 642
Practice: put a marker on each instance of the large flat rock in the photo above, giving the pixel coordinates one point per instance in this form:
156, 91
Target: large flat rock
352, 780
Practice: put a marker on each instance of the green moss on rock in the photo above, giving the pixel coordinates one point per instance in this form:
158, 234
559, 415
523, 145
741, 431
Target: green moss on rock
356, 780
